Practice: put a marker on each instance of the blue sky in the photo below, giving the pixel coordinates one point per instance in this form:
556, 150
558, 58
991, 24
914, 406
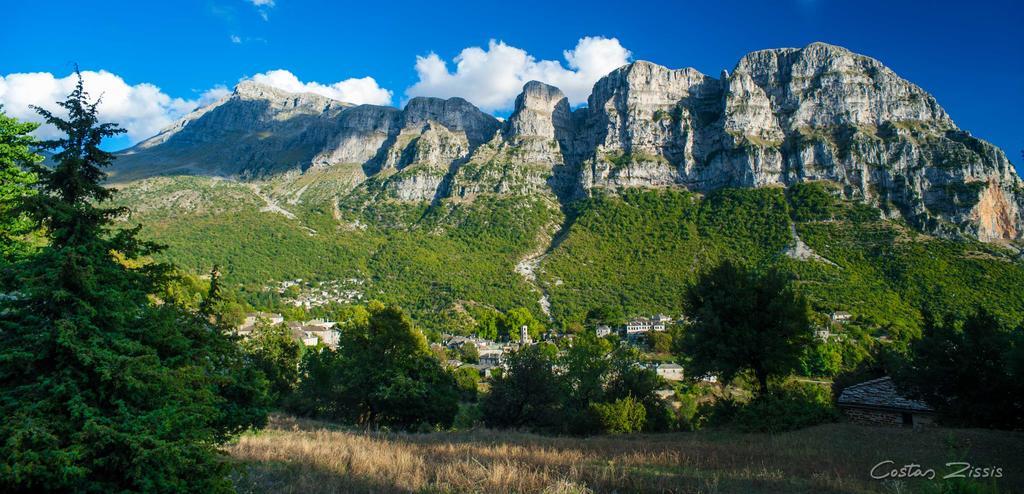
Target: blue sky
970, 56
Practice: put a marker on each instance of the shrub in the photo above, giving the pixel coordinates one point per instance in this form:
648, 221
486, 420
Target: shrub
470, 415
792, 406
622, 416
687, 418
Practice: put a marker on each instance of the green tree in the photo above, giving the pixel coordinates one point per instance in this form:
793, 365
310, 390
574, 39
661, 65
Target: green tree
468, 380
528, 394
105, 390
382, 374
628, 378
273, 351
16, 157
469, 354
743, 320
517, 318
969, 370
586, 365
660, 342
611, 315
487, 324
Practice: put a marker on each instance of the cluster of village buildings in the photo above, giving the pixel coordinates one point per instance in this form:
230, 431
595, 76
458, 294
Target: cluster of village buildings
311, 294
492, 353
310, 333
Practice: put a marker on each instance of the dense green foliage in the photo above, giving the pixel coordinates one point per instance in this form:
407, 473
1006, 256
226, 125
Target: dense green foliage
592, 387
16, 157
637, 251
273, 350
382, 374
428, 261
792, 406
526, 394
742, 320
105, 390
622, 416
624, 253
971, 371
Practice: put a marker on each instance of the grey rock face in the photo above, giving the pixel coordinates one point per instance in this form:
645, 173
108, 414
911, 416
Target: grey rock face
781, 117
257, 130
790, 115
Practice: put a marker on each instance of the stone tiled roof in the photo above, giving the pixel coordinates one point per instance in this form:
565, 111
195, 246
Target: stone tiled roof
880, 393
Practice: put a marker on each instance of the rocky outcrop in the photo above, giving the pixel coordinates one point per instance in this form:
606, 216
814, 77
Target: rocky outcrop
780, 117
788, 115
256, 131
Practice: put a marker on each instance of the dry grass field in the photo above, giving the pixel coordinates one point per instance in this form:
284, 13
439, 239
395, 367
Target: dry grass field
301, 456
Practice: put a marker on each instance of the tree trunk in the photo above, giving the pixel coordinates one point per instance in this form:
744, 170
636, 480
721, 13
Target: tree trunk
762, 381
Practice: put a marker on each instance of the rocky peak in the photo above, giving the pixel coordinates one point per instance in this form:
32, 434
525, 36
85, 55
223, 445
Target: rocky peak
456, 114
823, 84
541, 111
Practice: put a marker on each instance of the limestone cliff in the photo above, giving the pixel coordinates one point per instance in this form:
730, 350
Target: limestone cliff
780, 117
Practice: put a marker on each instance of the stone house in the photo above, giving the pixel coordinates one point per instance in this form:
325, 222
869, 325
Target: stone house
491, 358
670, 372
878, 402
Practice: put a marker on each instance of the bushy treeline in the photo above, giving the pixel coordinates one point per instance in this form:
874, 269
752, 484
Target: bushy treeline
591, 387
381, 375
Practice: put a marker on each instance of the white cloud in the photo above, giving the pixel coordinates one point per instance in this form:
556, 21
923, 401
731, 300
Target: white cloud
357, 91
492, 78
262, 6
236, 39
142, 109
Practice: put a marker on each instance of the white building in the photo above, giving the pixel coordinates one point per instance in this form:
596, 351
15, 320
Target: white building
603, 330
671, 372
841, 316
642, 325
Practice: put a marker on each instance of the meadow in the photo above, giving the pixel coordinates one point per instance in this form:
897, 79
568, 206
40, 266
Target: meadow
303, 456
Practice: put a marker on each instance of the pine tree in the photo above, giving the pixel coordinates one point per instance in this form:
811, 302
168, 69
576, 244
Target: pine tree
103, 388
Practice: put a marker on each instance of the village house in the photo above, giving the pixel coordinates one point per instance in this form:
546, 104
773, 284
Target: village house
309, 333
491, 357
670, 372
840, 316
265, 317
603, 330
643, 325
878, 402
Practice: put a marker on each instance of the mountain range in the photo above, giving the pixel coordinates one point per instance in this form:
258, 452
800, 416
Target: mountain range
372, 177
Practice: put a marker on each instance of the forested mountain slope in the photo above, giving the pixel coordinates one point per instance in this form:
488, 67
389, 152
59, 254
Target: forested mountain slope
818, 160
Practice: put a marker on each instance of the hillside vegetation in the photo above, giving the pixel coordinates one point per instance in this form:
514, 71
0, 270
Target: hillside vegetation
636, 249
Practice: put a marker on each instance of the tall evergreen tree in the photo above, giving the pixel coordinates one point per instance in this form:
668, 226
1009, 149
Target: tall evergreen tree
103, 388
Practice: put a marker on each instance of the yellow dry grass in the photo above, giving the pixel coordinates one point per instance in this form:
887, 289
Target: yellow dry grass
302, 456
